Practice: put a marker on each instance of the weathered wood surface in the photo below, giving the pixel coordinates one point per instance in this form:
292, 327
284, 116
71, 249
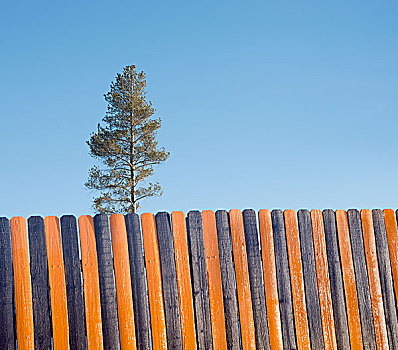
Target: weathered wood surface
40, 285
169, 281
7, 340
138, 282
200, 285
310, 280
109, 317
256, 279
283, 277
73, 280
228, 280
336, 280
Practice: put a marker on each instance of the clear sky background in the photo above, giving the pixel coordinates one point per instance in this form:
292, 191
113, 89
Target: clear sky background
265, 104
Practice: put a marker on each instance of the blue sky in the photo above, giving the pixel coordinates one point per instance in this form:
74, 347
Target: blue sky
265, 104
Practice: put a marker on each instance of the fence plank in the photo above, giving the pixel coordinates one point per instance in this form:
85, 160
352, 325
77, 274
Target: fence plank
354, 322
7, 340
91, 283
56, 274
297, 281
152, 260
242, 279
214, 280
283, 278
362, 281
256, 279
228, 281
374, 280
169, 281
73, 280
138, 281
183, 280
109, 315
322, 271
123, 282
270, 280
392, 239
40, 283
199, 276
310, 280
336, 280
386, 282
22, 284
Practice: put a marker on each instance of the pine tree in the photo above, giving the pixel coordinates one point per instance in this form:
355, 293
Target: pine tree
126, 145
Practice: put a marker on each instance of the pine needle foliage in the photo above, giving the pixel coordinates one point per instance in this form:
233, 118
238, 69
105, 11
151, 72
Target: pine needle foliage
126, 145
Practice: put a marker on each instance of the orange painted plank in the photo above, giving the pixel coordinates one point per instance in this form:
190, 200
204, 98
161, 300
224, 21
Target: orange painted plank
242, 279
214, 280
270, 281
376, 296
154, 277
92, 301
124, 296
322, 272
56, 274
183, 280
297, 280
347, 264
392, 238
23, 288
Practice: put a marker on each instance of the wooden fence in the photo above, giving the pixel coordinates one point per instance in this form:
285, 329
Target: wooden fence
279, 280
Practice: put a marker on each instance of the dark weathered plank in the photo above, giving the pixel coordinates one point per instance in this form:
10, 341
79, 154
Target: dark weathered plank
361, 278
387, 286
40, 283
199, 277
283, 277
228, 280
73, 279
107, 284
310, 280
256, 279
138, 282
169, 281
336, 280
7, 338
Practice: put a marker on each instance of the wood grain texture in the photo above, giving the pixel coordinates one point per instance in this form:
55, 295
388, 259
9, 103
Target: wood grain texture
362, 281
40, 283
124, 295
228, 281
297, 280
214, 280
386, 282
73, 280
347, 264
310, 280
256, 279
283, 277
154, 278
183, 280
374, 280
336, 280
199, 279
7, 341
242, 279
91, 283
22, 284
110, 329
270, 280
138, 281
323, 281
169, 281
392, 239
56, 274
